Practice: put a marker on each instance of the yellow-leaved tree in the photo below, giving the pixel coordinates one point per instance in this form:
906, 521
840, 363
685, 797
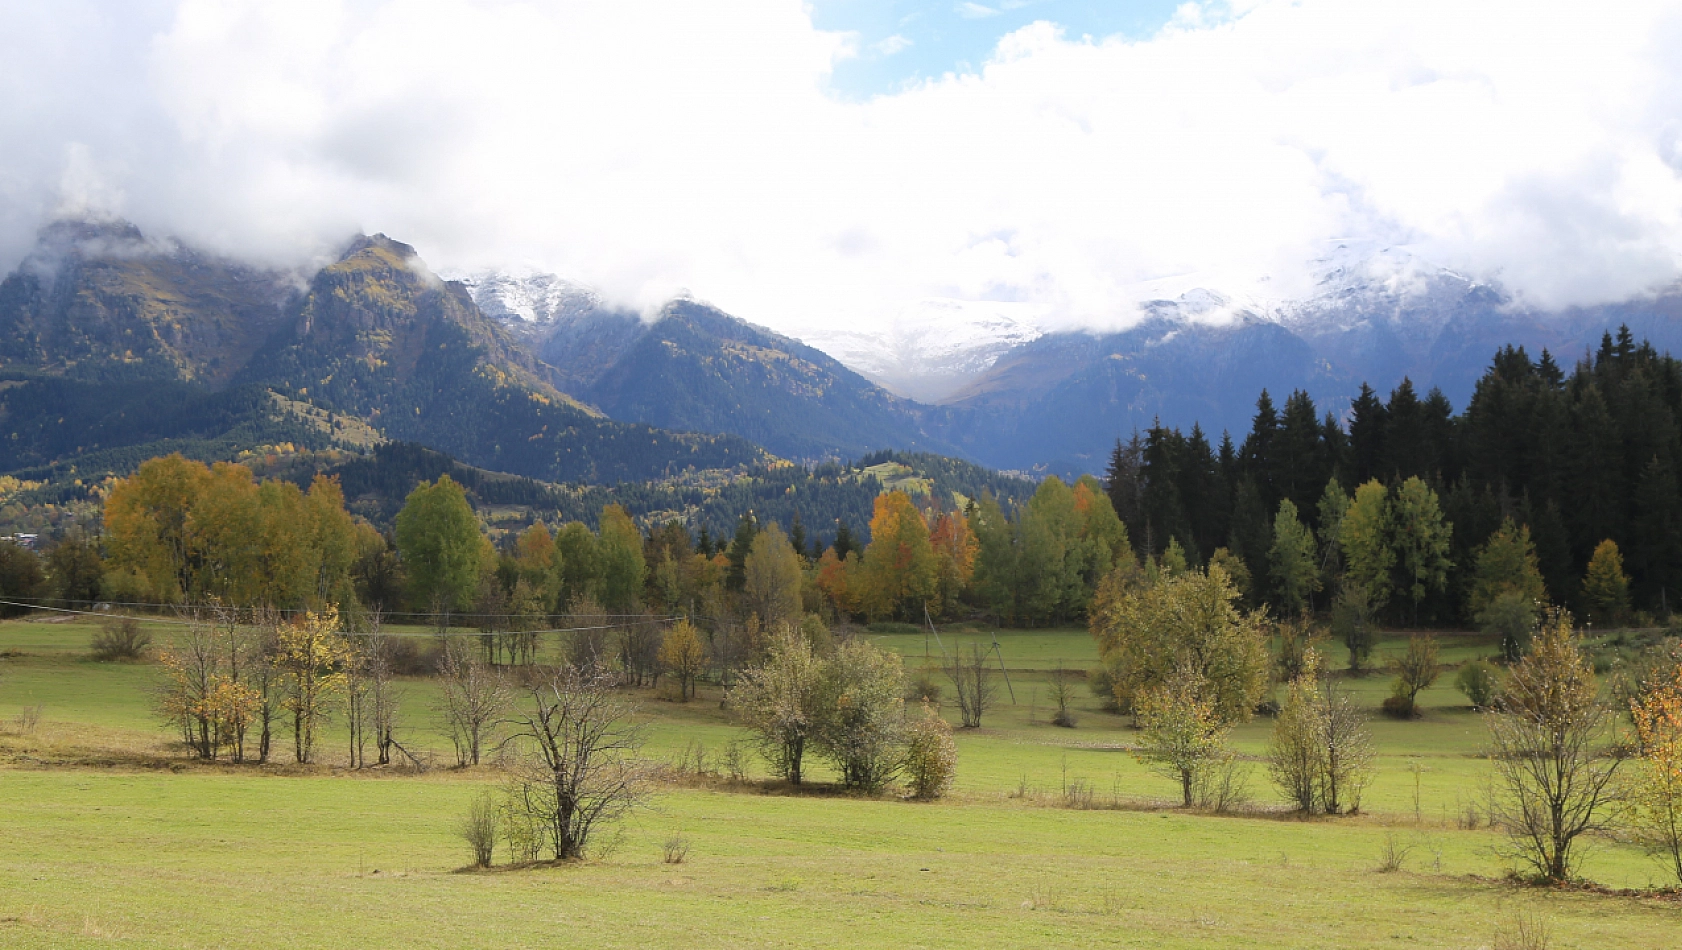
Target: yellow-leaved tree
146, 524
898, 571
1656, 790
1605, 585
683, 657
311, 656
1364, 542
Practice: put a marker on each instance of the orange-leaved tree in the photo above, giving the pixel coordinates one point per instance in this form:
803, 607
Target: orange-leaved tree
898, 571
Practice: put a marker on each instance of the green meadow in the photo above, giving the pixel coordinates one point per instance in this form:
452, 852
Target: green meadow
110, 837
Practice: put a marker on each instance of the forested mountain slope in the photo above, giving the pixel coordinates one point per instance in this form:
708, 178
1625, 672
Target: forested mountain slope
200, 343
698, 368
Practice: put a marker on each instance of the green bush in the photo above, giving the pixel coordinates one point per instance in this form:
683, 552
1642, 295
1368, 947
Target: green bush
893, 627
1480, 681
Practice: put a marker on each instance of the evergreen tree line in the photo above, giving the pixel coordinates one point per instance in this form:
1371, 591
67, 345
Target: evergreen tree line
1570, 461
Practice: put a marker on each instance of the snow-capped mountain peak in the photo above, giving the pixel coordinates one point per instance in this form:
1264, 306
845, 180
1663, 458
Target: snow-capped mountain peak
931, 348
529, 299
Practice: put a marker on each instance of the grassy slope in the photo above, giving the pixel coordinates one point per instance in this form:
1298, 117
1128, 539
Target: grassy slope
262, 861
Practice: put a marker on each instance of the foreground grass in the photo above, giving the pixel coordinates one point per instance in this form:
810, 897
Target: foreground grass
100, 840
230, 860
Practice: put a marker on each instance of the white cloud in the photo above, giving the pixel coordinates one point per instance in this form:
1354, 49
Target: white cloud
891, 45
976, 11
645, 146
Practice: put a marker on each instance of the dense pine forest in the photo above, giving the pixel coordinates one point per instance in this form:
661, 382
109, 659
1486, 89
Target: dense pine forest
1573, 459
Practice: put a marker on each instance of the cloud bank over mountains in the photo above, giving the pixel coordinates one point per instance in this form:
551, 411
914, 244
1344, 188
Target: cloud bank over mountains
650, 147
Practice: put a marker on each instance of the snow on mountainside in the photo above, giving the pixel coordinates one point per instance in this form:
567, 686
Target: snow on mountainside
932, 348
528, 300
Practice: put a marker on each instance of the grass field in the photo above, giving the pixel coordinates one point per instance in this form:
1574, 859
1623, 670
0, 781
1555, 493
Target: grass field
107, 836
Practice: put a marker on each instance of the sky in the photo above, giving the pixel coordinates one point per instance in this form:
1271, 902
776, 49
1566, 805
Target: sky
897, 43
833, 163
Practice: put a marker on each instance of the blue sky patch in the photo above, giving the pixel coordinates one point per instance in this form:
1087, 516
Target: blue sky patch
901, 42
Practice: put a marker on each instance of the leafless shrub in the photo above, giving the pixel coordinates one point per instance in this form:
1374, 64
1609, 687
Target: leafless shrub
676, 849
1079, 794
120, 638
1223, 786
1526, 930
478, 828
28, 720
1393, 855
735, 760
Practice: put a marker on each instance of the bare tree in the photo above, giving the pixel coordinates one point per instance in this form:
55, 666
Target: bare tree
587, 643
639, 650
1548, 743
384, 696
576, 764
1062, 691
1348, 751
972, 679
357, 701
265, 679
473, 700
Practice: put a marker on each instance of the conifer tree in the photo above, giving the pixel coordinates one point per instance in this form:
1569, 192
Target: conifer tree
1605, 586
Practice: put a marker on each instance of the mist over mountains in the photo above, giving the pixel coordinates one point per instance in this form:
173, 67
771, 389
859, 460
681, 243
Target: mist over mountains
117, 343
984, 380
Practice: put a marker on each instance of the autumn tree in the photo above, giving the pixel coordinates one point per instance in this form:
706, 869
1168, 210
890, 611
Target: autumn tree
931, 756
1548, 738
684, 657
311, 656
146, 527
898, 570
1180, 735
778, 700
206, 689
1293, 559
771, 578
1191, 621
955, 549
860, 726
539, 563
1605, 585
1656, 789
1321, 753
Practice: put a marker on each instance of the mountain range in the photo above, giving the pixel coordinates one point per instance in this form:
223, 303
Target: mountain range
114, 344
